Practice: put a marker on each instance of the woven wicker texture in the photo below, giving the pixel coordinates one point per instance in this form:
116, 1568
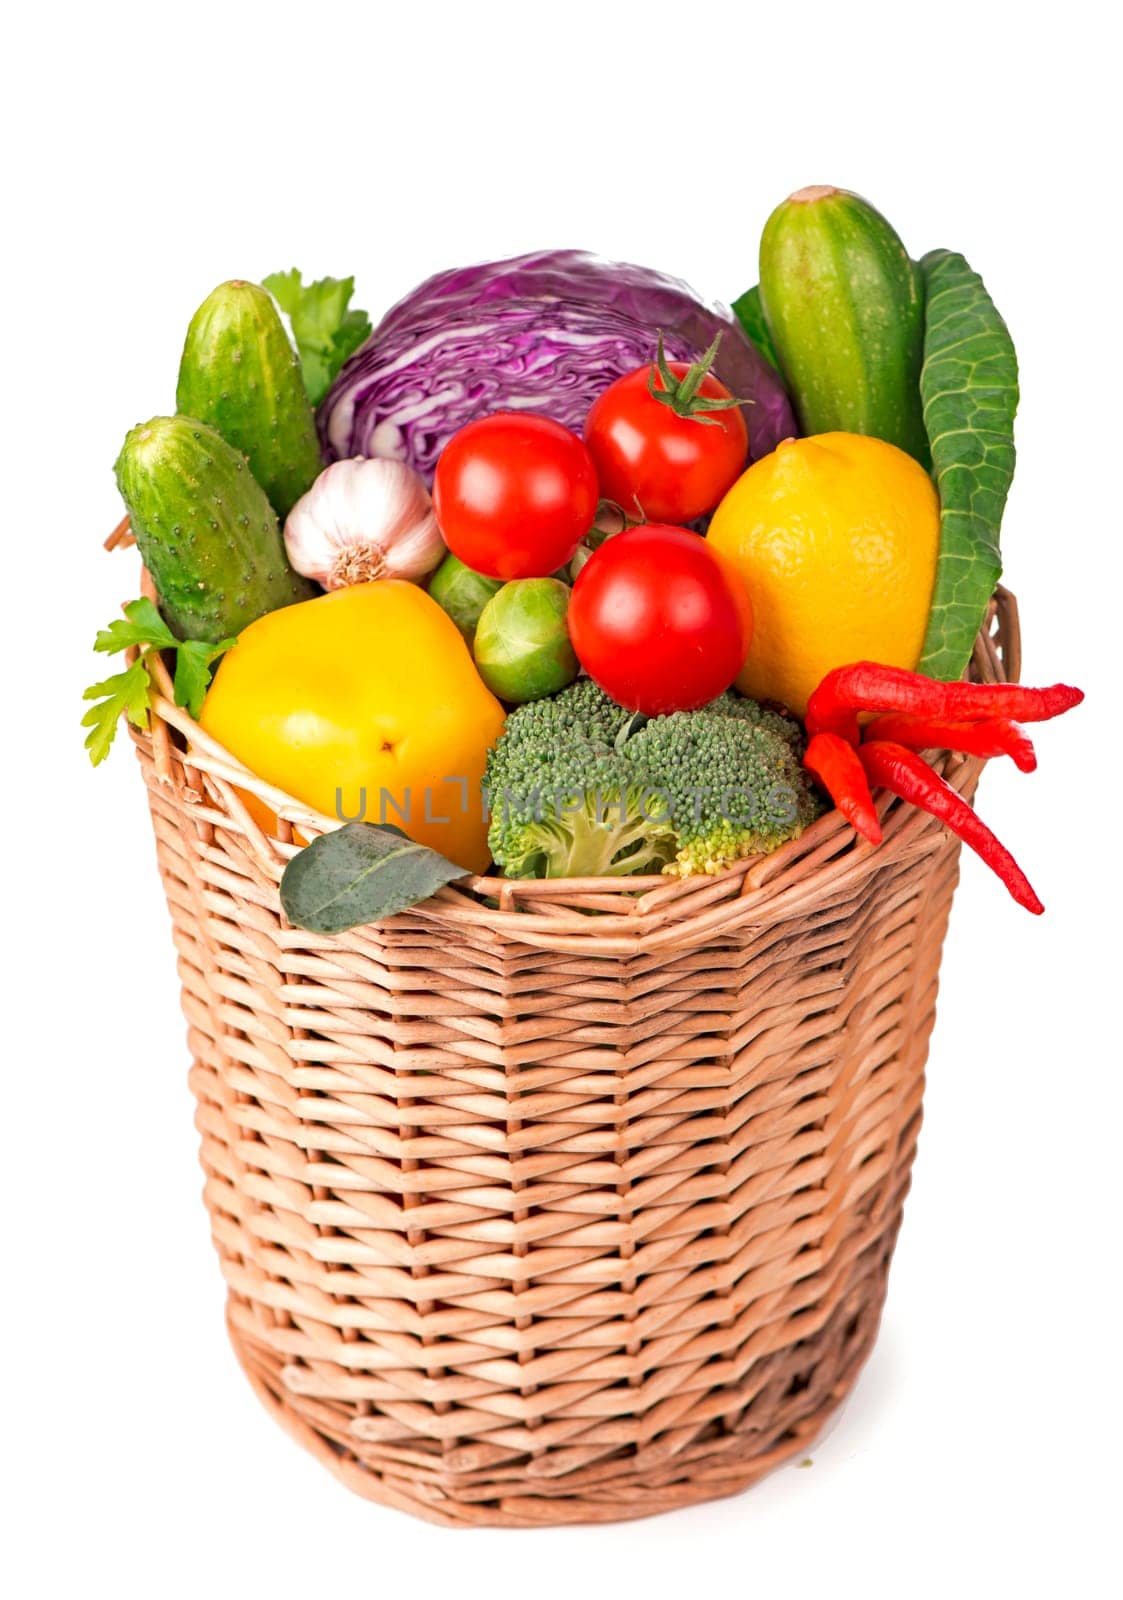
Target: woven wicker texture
529, 1216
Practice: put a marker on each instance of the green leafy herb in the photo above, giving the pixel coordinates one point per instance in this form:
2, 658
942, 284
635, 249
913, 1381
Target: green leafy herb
750, 314
969, 388
360, 873
129, 691
325, 331
142, 624
194, 662
123, 692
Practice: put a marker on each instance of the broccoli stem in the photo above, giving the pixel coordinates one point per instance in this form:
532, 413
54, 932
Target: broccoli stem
578, 844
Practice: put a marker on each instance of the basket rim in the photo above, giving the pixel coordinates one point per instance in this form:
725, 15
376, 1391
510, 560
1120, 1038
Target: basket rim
207, 777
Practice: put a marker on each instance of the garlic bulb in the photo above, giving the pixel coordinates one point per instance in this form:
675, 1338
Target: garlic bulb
362, 519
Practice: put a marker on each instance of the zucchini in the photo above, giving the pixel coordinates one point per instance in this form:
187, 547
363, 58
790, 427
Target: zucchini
205, 529
844, 306
240, 374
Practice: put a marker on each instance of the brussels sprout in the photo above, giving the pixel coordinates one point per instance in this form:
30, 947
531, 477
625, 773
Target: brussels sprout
462, 593
522, 644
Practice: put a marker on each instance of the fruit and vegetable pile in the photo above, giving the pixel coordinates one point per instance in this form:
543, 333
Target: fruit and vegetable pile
563, 570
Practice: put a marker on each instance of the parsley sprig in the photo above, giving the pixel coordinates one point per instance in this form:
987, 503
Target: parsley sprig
129, 692
325, 330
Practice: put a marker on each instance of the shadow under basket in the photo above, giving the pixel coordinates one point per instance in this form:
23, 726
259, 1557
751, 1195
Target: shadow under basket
531, 1216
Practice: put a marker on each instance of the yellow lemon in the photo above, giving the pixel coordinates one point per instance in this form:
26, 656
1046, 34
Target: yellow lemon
836, 537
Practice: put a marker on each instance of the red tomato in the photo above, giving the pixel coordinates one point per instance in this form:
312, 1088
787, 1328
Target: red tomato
660, 620
670, 466
514, 495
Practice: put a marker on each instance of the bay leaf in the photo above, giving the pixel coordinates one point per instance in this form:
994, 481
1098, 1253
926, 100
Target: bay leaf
359, 874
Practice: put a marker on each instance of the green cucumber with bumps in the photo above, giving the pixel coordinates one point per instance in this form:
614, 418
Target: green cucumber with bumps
205, 530
240, 374
844, 306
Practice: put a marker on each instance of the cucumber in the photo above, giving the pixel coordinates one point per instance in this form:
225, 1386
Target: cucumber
844, 306
205, 529
240, 374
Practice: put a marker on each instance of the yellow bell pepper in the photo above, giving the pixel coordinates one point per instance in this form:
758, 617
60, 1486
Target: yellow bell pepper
366, 705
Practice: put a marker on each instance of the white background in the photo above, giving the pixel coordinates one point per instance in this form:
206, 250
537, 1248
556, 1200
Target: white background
153, 151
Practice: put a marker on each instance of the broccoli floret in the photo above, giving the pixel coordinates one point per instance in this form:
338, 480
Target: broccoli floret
733, 778
579, 787
772, 717
565, 802
582, 713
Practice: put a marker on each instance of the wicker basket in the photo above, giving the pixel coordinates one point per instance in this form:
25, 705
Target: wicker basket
529, 1216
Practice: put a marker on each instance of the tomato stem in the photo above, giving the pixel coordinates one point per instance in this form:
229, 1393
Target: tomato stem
611, 519
681, 394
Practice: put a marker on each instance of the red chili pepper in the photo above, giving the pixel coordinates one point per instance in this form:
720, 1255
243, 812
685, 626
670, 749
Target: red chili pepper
835, 763
865, 686
994, 736
905, 773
